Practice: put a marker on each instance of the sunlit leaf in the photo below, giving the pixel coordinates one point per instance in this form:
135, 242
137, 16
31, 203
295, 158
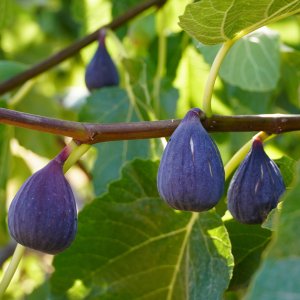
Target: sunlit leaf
213, 21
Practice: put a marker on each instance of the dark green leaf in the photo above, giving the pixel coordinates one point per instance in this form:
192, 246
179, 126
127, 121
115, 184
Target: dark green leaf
248, 242
277, 277
131, 245
106, 106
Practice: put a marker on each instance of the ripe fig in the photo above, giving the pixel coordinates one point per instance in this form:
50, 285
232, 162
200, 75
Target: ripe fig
101, 71
191, 173
255, 188
43, 214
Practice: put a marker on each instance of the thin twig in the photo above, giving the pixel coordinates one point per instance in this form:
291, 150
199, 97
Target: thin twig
75, 47
92, 133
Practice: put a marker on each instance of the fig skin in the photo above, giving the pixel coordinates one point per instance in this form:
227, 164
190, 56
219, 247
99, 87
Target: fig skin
191, 173
43, 214
255, 188
101, 71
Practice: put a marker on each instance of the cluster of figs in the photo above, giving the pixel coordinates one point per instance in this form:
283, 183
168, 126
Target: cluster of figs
43, 214
191, 175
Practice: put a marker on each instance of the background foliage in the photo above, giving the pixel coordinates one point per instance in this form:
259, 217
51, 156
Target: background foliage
130, 244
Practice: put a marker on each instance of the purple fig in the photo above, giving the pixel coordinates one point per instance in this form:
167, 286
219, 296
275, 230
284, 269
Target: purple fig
191, 173
256, 187
101, 71
43, 214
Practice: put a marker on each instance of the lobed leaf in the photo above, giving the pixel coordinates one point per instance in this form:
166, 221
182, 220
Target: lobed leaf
213, 21
131, 245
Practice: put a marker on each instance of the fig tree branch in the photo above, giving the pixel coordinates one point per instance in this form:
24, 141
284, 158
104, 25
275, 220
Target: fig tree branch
92, 133
75, 47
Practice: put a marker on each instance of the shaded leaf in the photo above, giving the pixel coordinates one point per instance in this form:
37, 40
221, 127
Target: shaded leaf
106, 106
41, 143
253, 63
248, 243
213, 21
6, 134
134, 246
281, 266
9, 69
291, 75
287, 168
80, 13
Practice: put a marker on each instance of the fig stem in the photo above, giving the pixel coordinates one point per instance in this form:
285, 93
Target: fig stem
9, 273
212, 76
233, 163
76, 151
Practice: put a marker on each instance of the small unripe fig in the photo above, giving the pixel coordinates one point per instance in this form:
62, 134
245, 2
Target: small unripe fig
191, 174
101, 71
43, 214
256, 187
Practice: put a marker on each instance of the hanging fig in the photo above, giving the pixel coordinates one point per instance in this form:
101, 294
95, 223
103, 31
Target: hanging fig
43, 214
101, 71
255, 188
191, 174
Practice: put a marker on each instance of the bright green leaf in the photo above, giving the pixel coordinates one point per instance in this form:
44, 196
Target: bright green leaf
131, 245
213, 21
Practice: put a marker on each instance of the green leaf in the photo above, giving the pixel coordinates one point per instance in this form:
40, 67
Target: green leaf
253, 62
80, 13
248, 243
291, 74
140, 94
131, 245
9, 69
246, 102
137, 73
6, 13
109, 105
41, 143
212, 21
287, 168
6, 134
278, 276
175, 47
